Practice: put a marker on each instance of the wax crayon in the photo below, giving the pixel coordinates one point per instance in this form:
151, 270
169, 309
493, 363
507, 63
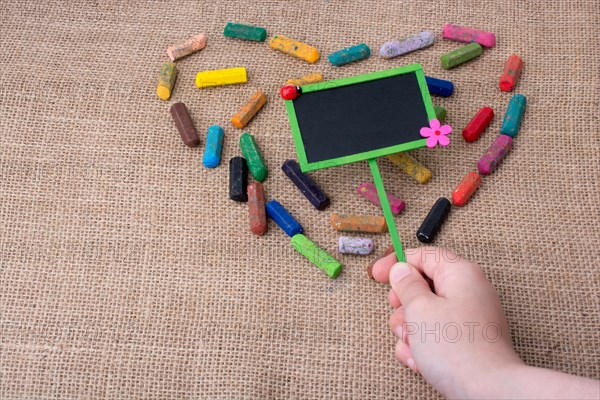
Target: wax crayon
283, 218
369, 192
494, 155
191, 45
256, 208
511, 73
355, 245
358, 223
349, 54
294, 48
184, 124
166, 80
411, 166
214, 146
466, 189
440, 87
249, 110
221, 77
467, 35
246, 32
478, 124
238, 179
434, 220
306, 79
407, 44
316, 255
461, 55
251, 152
305, 184
514, 115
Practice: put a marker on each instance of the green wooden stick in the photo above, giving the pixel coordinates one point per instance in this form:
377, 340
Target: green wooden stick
387, 211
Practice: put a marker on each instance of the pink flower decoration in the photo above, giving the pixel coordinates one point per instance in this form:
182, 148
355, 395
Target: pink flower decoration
436, 134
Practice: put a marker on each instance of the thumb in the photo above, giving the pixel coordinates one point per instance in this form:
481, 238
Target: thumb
408, 283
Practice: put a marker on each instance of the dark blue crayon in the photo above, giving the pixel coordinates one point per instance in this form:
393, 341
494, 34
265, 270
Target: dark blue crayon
434, 220
514, 116
439, 86
305, 184
283, 218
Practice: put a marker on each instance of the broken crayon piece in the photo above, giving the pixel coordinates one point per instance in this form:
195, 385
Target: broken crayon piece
283, 218
411, 166
251, 152
221, 77
315, 77
249, 110
514, 115
257, 213
355, 245
406, 44
246, 32
238, 179
434, 220
494, 155
440, 113
511, 73
294, 48
214, 146
305, 184
465, 34
466, 189
184, 124
369, 192
349, 54
440, 87
478, 124
461, 55
316, 255
358, 223
166, 80
191, 45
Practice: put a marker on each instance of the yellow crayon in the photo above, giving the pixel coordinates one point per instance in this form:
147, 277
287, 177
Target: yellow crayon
221, 77
166, 80
295, 48
306, 79
411, 167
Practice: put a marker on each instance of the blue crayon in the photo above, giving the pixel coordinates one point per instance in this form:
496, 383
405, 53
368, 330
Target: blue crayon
514, 115
283, 218
350, 54
305, 184
214, 145
439, 86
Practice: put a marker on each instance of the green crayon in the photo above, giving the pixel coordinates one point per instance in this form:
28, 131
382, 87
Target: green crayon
461, 55
440, 113
246, 32
316, 255
251, 153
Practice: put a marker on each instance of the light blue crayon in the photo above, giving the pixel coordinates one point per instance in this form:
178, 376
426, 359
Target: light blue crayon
350, 54
514, 115
214, 145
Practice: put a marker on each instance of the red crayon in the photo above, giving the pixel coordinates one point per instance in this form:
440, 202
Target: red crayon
478, 124
511, 74
465, 189
256, 208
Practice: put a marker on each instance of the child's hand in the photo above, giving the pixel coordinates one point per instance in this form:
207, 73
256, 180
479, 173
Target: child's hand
452, 329
450, 335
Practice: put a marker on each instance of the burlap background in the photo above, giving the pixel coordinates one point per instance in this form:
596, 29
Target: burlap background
126, 271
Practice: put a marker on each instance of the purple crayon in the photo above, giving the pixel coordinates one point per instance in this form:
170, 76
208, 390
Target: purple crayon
355, 245
492, 157
369, 192
407, 44
305, 184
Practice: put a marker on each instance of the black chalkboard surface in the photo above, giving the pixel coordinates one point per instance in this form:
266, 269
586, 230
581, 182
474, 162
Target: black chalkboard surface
360, 118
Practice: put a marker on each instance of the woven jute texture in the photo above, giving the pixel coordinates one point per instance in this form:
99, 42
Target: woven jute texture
126, 272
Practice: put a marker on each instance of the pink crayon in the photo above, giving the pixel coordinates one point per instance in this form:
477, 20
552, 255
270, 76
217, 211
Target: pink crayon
468, 35
492, 157
369, 192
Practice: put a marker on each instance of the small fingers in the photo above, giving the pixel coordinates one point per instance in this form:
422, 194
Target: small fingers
404, 355
393, 298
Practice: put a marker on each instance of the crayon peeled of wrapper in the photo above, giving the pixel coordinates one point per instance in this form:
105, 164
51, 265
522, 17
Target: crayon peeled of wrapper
316, 255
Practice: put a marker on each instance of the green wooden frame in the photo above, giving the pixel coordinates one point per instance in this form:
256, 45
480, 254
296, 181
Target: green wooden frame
289, 105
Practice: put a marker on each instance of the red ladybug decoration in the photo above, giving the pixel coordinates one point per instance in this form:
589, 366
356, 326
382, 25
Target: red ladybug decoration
290, 92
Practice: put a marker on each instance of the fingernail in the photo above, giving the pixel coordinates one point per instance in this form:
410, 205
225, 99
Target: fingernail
411, 364
370, 271
399, 271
